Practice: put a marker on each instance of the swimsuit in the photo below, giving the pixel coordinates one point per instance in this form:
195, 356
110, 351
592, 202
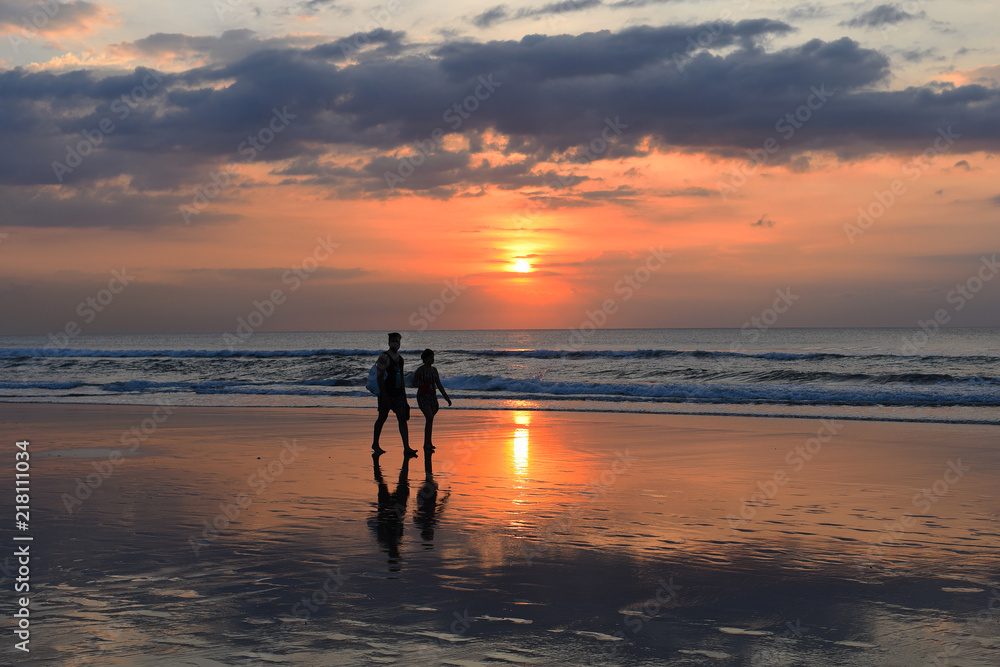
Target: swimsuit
427, 399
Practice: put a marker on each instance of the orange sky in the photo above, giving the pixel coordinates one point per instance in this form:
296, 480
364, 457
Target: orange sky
735, 231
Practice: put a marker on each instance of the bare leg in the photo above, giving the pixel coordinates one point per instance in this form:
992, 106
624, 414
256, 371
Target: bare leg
378, 432
428, 427
404, 433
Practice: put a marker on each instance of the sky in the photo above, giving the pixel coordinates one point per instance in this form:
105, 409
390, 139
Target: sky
413, 164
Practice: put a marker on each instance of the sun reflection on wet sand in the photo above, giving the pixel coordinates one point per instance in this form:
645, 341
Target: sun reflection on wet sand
520, 446
418, 541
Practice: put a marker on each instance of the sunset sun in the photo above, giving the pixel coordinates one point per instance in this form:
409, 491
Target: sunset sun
522, 266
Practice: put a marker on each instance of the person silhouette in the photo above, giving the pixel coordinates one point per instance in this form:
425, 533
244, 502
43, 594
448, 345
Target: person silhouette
428, 382
428, 507
390, 512
392, 395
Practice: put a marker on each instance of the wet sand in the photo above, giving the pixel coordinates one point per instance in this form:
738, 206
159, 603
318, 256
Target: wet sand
247, 536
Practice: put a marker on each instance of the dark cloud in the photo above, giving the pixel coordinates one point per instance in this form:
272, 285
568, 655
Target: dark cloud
687, 192
807, 11
212, 301
623, 194
234, 45
764, 221
919, 55
963, 164
562, 7
501, 13
39, 16
881, 16
344, 113
267, 276
490, 16
230, 46
108, 206
316, 6
800, 164
631, 4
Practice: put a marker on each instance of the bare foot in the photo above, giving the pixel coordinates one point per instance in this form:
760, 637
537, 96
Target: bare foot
410, 451
377, 451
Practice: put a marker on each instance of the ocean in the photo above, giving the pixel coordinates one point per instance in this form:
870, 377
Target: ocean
944, 375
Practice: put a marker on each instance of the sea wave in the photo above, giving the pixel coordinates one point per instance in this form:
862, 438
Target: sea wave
30, 352
728, 393
487, 386
20, 352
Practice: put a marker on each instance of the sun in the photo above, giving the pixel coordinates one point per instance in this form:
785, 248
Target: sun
522, 266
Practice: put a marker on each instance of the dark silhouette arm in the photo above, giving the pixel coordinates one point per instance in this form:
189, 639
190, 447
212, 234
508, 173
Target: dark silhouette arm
380, 367
437, 381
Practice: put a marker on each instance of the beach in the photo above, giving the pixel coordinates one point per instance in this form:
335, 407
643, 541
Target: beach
240, 536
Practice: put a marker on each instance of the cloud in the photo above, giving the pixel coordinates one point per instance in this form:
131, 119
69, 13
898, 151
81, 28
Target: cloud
919, 55
764, 221
316, 6
178, 51
490, 16
561, 7
537, 105
632, 4
266, 276
23, 20
988, 75
881, 16
963, 164
807, 11
800, 164
501, 13
693, 191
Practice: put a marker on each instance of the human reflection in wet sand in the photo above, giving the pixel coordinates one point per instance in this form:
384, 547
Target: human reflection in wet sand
391, 512
428, 504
